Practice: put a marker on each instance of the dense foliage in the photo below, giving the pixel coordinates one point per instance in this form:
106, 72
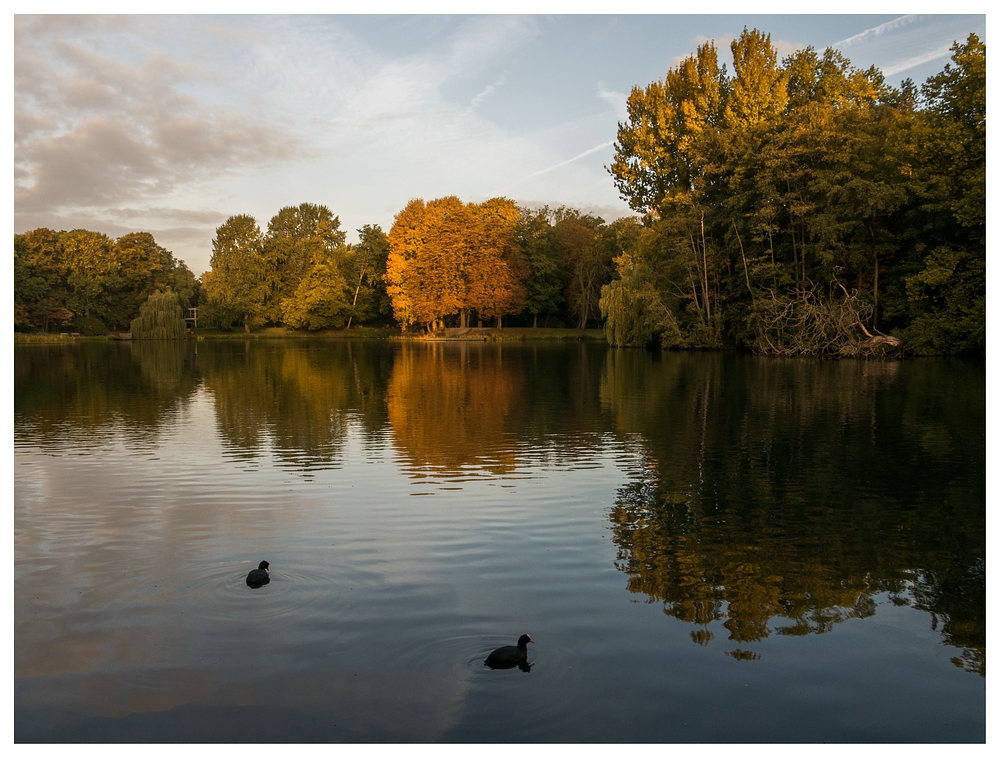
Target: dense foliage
804, 207
300, 274
88, 283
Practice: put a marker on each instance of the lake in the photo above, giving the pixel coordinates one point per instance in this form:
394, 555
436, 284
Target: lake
703, 547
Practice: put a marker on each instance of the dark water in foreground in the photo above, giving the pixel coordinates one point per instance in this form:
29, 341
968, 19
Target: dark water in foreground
705, 548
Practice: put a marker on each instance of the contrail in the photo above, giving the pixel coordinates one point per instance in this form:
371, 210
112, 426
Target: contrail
875, 31
574, 158
933, 55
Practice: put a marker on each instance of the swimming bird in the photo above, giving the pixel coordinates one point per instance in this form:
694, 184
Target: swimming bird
259, 576
508, 656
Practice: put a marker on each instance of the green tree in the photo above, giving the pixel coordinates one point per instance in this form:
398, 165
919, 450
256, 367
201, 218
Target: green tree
365, 268
29, 288
322, 299
806, 197
588, 250
92, 271
143, 267
942, 152
543, 282
241, 275
635, 310
656, 149
758, 91
297, 237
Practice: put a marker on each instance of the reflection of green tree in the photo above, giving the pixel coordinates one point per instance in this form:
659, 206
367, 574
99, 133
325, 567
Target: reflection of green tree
299, 397
90, 387
781, 497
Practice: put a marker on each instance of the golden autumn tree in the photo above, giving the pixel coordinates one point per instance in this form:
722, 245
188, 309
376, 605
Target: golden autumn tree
496, 270
420, 286
447, 257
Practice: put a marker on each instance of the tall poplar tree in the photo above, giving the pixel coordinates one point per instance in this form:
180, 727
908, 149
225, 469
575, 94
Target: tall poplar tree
241, 275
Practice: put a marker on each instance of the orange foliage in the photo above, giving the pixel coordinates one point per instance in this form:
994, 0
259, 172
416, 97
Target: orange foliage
446, 257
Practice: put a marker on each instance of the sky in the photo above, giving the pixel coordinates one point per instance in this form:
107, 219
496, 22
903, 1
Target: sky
172, 123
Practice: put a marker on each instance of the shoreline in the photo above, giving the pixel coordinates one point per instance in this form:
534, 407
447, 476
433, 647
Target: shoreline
471, 334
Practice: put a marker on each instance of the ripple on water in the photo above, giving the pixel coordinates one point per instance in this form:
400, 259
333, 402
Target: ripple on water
219, 591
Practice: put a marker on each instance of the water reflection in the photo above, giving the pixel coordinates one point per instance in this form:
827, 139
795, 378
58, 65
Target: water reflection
456, 409
784, 497
295, 400
80, 391
576, 490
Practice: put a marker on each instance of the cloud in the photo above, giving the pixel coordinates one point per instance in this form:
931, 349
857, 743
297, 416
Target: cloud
481, 97
93, 130
617, 100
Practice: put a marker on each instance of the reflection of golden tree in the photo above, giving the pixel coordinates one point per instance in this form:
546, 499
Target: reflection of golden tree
458, 405
742, 512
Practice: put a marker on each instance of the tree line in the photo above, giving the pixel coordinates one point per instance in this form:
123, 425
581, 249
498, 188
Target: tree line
804, 207
793, 207
444, 263
88, 282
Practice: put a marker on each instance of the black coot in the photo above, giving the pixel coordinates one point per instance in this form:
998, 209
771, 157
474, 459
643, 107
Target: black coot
509, 656
259, 576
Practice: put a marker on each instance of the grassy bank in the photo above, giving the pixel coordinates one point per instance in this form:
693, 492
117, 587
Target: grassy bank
522, 334
507, 334
51, 338
516, 334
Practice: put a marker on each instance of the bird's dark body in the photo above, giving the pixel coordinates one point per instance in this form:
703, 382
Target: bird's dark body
259, 576
509, 656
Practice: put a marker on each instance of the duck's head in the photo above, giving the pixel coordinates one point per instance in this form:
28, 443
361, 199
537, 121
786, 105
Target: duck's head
523, 640
263, 566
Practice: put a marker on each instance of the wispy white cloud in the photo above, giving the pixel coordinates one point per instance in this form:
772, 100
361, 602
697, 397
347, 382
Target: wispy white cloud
617, 100
909, 43
482, 96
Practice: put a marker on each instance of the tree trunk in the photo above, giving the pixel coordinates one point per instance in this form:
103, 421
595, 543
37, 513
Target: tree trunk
356, 291
704, 258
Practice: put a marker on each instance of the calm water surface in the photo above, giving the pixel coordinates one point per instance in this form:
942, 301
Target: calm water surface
705, 548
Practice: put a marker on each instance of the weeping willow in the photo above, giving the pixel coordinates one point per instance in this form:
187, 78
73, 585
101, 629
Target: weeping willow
634, 312
160, 318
